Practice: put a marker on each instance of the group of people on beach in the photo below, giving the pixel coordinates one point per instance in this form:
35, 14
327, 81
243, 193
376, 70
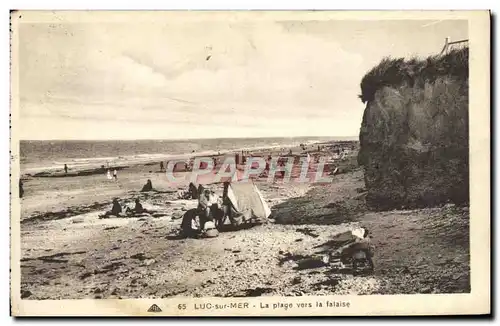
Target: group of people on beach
114, 177
117, 210
108, 173
206, 219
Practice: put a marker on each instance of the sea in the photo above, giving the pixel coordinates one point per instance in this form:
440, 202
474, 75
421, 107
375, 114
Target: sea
46, 155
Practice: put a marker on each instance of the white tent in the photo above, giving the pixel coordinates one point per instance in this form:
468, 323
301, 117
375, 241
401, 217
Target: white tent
247, 202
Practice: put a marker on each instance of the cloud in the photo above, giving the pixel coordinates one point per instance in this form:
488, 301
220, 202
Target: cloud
259, 76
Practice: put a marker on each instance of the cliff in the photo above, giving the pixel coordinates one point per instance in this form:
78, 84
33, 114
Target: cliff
414, 134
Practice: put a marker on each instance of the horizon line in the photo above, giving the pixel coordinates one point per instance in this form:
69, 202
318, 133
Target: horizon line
204, 138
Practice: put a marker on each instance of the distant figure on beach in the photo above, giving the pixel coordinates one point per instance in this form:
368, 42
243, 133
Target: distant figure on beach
115, 175
21, 190
148, 186
65, 169
162, 167
115, 210
138, 209
282, 164
108, 175
193, 191
200, 190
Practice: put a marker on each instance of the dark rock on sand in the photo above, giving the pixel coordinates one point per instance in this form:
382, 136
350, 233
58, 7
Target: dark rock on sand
25, 294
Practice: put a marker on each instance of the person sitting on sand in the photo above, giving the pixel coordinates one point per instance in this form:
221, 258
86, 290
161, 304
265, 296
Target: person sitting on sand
200, 190
189, 227
193, 191
207, 204
116, 210
221, 213
138, 209
148, 186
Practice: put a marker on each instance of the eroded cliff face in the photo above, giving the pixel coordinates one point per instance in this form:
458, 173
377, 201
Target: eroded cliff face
414, 144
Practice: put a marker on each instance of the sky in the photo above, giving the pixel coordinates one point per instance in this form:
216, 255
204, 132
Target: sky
172, 80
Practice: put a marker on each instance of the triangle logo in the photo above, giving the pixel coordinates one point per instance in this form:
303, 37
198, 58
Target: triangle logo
154, 308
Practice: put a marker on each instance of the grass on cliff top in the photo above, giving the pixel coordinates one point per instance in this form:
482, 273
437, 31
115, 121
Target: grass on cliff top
394, 72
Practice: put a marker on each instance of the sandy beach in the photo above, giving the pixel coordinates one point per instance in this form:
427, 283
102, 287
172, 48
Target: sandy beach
54, 191
69, 253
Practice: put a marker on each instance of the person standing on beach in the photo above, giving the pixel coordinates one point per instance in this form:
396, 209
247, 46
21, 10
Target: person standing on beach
65, 169
282, 164
115, 175
162, 167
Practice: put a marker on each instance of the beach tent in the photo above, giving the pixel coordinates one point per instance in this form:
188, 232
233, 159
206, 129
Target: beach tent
247, 203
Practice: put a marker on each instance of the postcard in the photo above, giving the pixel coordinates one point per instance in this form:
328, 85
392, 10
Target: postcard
250, 163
